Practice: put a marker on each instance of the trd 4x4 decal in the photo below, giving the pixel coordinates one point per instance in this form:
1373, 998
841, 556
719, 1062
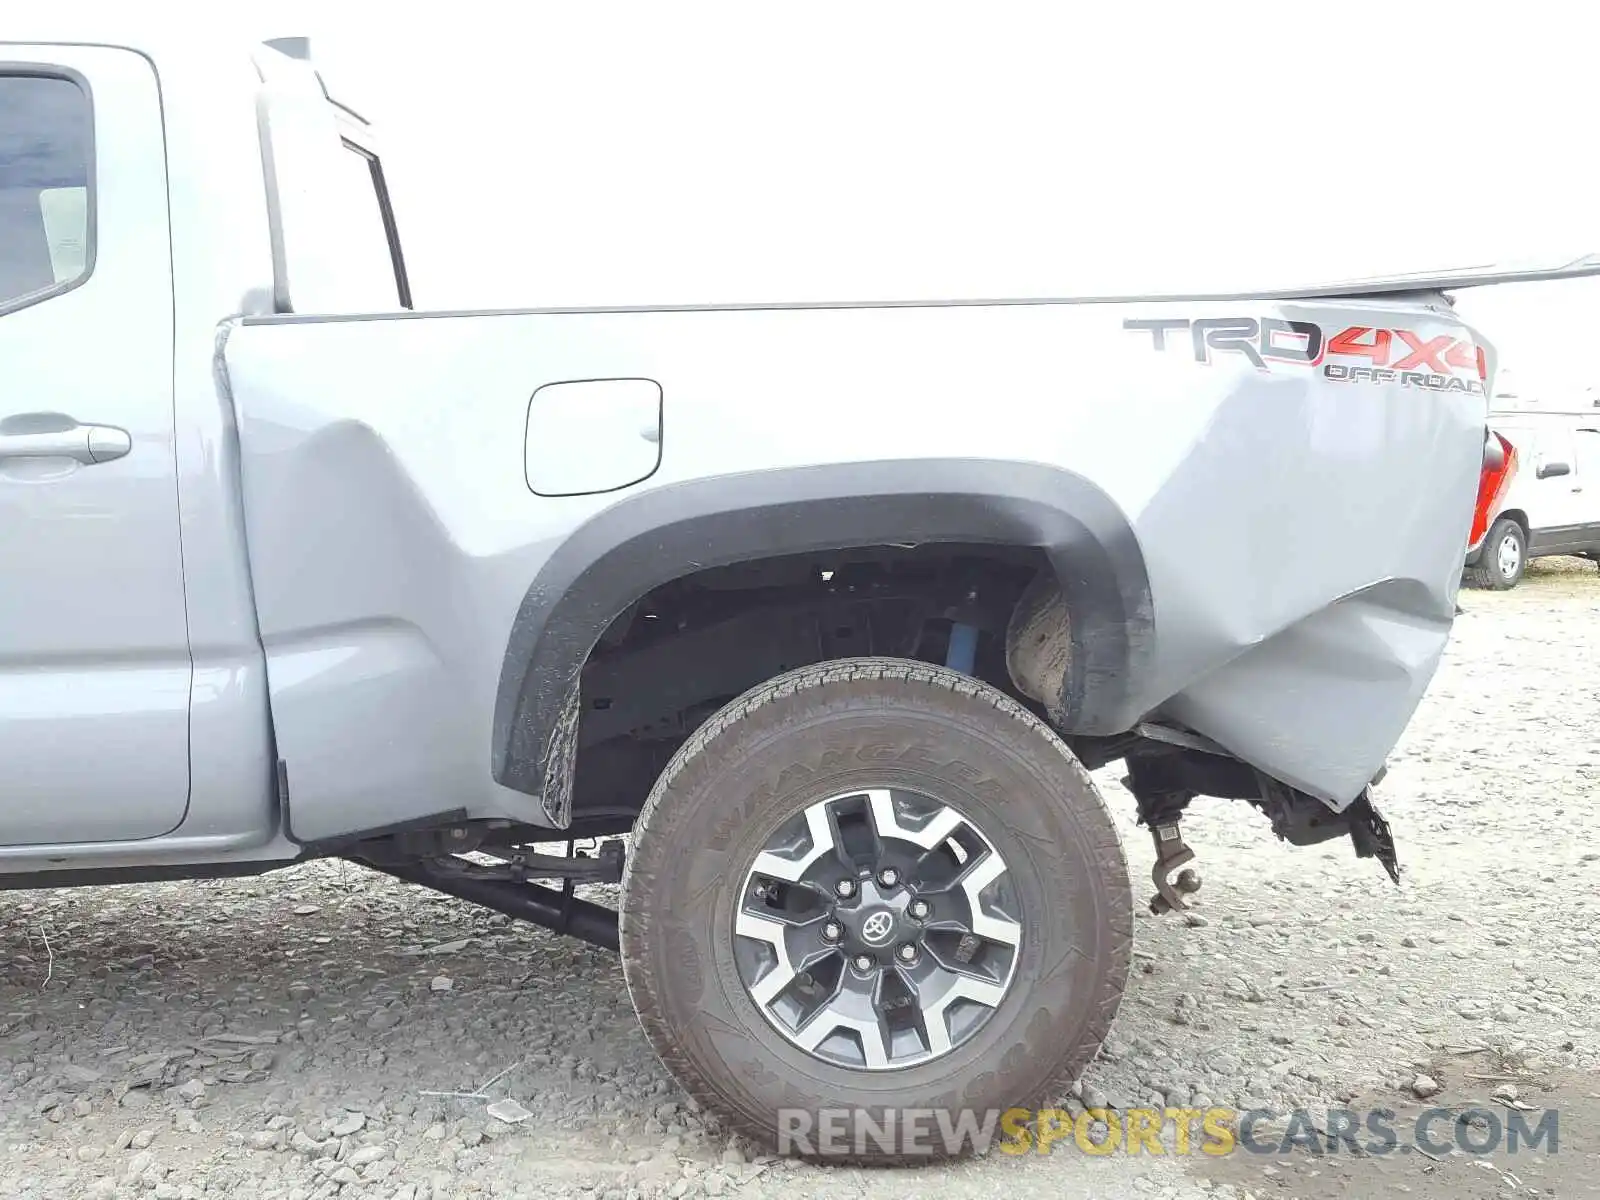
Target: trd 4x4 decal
1357, 354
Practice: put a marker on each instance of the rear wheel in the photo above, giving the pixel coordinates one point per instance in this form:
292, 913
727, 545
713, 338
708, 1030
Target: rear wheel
869, 887
1504, 557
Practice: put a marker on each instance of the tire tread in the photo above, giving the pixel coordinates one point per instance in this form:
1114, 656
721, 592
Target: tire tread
1485, 574
1115, 948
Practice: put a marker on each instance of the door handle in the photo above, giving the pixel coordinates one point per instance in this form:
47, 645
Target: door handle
86, 444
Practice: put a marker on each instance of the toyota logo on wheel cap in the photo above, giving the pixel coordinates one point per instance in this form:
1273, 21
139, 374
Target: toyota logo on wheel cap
878, 928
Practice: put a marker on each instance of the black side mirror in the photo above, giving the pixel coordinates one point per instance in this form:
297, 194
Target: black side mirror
1550, 470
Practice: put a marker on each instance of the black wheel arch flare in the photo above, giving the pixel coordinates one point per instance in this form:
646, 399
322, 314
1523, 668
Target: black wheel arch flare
652, 537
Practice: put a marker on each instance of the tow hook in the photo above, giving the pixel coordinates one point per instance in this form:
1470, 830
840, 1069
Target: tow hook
1370, 834
1171, 854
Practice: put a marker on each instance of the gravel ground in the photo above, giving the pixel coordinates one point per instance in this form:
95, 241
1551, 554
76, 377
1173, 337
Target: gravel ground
299, 1035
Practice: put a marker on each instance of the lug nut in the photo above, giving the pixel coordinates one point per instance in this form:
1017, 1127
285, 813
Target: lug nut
919, 909
831, 931
863, 963
888, 877
908, 953
845, 887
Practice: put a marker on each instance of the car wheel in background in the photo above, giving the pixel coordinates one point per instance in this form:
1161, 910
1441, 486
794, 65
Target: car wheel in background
1504, 557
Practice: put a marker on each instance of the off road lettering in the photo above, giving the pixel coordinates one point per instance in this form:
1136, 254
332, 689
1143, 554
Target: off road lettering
1355, 354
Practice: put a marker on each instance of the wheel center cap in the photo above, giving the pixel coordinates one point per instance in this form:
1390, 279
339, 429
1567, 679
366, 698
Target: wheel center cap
877, 921
878, 927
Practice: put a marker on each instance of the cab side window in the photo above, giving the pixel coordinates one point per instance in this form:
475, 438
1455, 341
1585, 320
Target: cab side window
46, 168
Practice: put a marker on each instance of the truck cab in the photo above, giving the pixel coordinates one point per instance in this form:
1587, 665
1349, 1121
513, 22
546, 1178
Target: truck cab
129, 658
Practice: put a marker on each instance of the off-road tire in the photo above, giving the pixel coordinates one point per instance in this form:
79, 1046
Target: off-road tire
820, 731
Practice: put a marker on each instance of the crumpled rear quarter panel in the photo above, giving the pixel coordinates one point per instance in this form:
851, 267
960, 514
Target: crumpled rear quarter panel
1305, 554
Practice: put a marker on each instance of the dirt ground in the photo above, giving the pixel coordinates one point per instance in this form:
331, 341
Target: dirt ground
329, 1031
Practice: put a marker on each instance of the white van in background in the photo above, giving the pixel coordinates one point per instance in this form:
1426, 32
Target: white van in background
1552, 505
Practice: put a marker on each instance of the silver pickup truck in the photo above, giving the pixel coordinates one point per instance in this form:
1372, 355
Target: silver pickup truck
808, 620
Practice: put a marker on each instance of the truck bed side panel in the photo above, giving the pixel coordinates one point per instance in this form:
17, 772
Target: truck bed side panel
1301, 529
